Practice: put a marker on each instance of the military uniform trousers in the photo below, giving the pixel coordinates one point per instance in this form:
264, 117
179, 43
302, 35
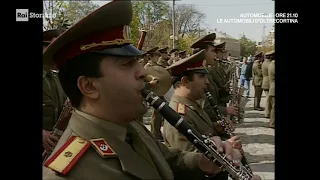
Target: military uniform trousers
272, 112
268, 104
257, 96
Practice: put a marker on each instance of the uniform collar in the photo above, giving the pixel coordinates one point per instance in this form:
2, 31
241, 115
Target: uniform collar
117, 130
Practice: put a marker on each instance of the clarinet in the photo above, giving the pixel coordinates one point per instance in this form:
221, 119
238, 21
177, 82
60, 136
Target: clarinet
205, 145
225, 124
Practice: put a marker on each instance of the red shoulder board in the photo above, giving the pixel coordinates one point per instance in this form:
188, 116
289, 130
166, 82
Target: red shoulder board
181, 108
103, 148
68, 155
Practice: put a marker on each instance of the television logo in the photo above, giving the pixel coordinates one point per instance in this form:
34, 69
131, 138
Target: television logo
22, 14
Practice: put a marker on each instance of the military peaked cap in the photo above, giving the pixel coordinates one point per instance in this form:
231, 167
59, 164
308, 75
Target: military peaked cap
152, 50
208, 39
258, 54
270, 53
173, 50
104, 31
163, 50
182, 52
220, 46
193, 63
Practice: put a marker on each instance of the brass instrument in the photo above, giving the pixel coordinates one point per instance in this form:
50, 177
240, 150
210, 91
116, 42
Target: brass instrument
60, 125
142, 39
163, 77
225, 124
203, 143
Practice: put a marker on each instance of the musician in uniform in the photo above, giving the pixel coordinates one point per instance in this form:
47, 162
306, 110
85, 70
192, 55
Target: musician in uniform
271, 73
265, 84
163, 59
104, 83
173, 56
189, 81
153, 56
182, 54
53, 95
257, 81
223, 92
207, 43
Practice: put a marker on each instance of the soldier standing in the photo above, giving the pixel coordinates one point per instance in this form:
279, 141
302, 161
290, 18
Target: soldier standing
271, 73
207, 44
102, 140
189, 83
266, 84
257, 81
182, 54
173, 56
153, 56
53, 96
163, 59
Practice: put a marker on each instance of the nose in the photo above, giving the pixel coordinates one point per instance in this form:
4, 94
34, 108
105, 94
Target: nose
206, 81
141, 72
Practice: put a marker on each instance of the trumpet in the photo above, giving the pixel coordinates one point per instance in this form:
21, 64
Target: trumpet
203, 143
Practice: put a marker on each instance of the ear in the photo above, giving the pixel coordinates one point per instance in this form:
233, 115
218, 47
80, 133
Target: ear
89, 87
184, 81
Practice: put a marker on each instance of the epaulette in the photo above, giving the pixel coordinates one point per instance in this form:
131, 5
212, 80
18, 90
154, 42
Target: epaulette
103, 148
181, 108
68, 155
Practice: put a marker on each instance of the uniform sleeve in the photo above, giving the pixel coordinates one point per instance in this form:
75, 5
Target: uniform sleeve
175, 139
184, 165
223, 110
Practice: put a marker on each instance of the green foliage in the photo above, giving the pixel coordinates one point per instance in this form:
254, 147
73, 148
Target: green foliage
247, 47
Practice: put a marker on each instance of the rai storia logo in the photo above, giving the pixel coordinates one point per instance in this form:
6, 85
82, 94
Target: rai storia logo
24, 15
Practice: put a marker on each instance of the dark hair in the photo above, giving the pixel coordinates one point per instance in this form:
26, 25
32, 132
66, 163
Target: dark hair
84, 65
176, 79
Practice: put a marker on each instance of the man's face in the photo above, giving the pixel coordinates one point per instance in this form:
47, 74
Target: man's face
154, 58
197, 86
219, 54
164, 55
210, 54
120, 86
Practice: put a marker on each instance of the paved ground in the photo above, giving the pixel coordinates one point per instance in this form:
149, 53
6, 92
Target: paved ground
258, 140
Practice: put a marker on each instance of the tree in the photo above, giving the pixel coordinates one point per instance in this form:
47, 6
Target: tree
247, 47
156, 18
63, 14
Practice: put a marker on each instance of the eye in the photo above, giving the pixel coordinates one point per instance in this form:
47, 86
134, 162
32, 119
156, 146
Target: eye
129, 62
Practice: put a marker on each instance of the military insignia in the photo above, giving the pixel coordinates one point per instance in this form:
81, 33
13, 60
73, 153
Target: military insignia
68, 155
181, 108
103, 148
126, 32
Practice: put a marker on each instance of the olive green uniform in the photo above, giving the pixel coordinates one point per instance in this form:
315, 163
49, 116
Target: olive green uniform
265, 85
53, 99
196, 117
272, 93
257, 82
141, 157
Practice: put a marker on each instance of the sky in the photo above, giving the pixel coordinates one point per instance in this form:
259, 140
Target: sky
230, 9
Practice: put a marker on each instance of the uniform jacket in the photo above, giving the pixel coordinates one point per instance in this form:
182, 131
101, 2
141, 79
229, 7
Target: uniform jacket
271, 72
196, 117
53, 98
257, 73
265, 81
164, 163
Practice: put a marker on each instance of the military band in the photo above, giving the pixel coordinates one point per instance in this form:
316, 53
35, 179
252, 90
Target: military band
105, 137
